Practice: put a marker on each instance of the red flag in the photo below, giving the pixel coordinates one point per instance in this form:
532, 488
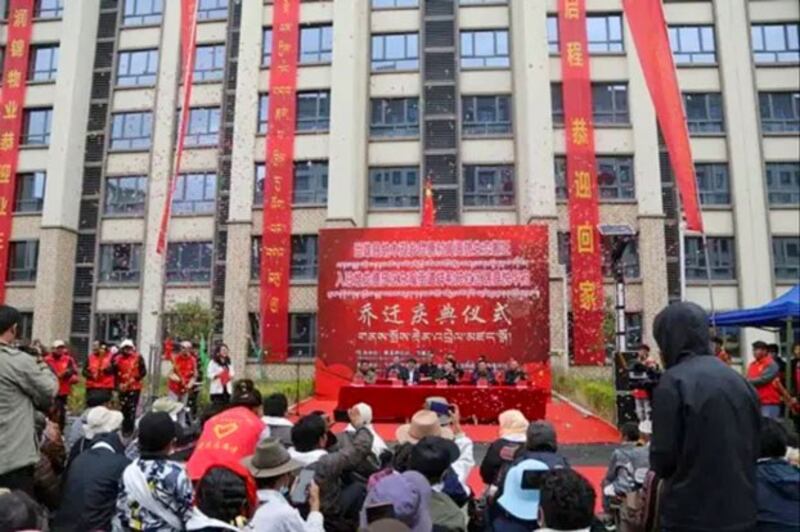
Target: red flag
428, 208
649, 30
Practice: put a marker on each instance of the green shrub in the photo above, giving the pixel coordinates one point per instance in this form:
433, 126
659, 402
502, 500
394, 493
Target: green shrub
597, 395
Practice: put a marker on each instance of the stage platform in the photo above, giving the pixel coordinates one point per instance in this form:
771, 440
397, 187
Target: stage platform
586, 440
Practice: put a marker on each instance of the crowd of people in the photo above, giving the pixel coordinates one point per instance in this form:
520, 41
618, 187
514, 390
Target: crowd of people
240, 463
447, 371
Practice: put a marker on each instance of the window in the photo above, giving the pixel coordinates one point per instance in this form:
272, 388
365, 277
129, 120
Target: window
783, 183
395, 117
120, 263
189, 262
396, 51
304, 257
786, 257
212, 9
486, 115
488, 186
552, 34
114, 328
263, 114
209, 62
137, 68
310, 183
142, 12
43, 63
36, 126
125, 195
720, 253
780, 111
713, 183
49, 8
22, 258
25, 327
775, 43
266, 48
629, 260
557, 103
313, 111
388, 4
195, 193
484, 49
316, 44
203, 127
604, 34
255, 258
610, 103
704, 112
29, 191
302, 335
614, 178
693, 45
633, 330
479, 2
258, 189
131, 131
394, 188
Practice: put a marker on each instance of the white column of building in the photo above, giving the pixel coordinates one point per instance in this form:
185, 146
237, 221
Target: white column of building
237, 273
740, 100
58, 236
533, 142
648, 193
161, 161
347, 163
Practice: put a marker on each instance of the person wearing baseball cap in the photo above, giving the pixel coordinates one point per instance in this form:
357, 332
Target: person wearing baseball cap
129, 372
156, 492
275, 472
65, 368
432, 457
762, 374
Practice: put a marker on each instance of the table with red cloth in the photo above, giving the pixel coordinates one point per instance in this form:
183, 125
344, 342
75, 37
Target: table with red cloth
398, 403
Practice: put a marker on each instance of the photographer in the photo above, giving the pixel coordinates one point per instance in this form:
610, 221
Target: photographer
26, 384
643, 376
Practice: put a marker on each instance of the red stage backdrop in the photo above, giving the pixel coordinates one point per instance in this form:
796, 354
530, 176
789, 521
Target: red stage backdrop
15, 76
468, 291
584, 213
276, 239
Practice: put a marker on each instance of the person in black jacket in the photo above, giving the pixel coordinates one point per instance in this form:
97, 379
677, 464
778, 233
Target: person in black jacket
92, 485
705, 430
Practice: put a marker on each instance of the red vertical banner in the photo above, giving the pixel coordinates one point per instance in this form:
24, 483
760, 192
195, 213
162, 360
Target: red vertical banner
188, 40
584, 215
15, 77
649, 30
276, 239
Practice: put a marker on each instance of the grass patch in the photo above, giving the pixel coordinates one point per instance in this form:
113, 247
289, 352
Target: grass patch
77, 398
595, 394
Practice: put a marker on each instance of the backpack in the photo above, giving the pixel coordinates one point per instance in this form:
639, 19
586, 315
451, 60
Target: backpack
639, 510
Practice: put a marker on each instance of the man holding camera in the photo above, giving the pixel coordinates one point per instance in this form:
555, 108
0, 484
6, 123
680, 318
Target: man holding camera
26, 385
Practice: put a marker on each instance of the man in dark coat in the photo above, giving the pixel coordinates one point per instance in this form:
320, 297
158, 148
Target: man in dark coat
705, 430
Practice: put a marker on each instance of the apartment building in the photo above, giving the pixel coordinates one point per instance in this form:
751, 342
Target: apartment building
466, 91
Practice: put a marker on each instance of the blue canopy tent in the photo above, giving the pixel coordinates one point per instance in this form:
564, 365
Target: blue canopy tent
782, 312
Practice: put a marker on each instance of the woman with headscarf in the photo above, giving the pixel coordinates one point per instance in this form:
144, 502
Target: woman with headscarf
501, 452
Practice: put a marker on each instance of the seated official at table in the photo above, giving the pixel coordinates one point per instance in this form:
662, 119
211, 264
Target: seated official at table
395, 368
482, 372
428, 369
366, 372
449, 373
411, 373
514, 373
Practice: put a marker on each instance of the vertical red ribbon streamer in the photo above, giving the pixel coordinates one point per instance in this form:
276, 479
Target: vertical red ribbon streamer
276, 239
584, 215
15, 78
649, 30
188, 39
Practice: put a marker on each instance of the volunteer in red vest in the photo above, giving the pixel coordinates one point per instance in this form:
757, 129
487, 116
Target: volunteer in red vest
129, 370
64, 367
99, 374
183, 374
220, 375
762, 373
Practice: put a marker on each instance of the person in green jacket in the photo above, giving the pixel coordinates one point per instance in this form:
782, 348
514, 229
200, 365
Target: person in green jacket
26, 385
431, 457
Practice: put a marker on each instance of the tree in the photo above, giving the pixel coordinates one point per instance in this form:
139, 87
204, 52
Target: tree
191, 320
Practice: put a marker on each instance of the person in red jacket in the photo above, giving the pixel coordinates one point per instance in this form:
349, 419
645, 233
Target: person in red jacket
64, 367
762, 373
129, 372
183, 376
99, 374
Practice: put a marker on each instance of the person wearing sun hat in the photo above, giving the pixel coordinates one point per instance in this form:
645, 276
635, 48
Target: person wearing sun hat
518, 506
432, 457
513, 427
274, 471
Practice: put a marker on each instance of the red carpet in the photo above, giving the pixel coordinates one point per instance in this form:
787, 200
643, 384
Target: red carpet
572, 426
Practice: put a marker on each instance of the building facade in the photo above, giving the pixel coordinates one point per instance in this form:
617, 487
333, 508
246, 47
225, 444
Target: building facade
389, 91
